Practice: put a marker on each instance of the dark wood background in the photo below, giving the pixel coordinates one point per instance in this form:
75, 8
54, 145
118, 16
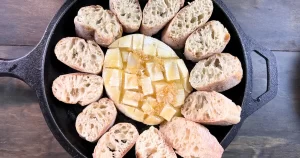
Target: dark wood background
273, 131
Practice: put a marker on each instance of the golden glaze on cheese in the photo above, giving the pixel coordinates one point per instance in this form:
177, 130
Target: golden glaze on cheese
145, 78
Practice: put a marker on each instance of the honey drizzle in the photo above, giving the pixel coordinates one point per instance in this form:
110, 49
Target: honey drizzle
166, 95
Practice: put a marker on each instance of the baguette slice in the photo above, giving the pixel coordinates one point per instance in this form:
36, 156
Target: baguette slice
190, 139
206, 41
96, 119
187, 20
116, 142
151, 143
81, 55
93, 22
78, 88
129, 13
218, 73
211, 108
157, 13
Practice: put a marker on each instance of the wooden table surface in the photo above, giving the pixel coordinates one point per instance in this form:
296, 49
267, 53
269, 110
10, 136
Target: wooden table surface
273, 131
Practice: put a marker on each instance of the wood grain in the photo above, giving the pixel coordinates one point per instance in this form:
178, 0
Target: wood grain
273, 23
23, 22
23, 130
12, 52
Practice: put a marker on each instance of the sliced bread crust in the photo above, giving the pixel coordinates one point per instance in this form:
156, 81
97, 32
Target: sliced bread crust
190, 139
116, 142
211, 108
93, 22
218, 73
206, 41
151, 143
78, 88
129, 13
187, 20
96, 119
81, 55
157, 13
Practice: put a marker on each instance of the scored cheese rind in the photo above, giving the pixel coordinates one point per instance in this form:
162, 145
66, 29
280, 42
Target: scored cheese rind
171, 70
131, 98
151, 84
112, 77
154, 71
112, 83
150, 46
184, 72
124, 54
115, 44
137, 41
187, 85
113, 59
180, 97
168, 112
147, 87
164, 50
133, 63
132, 112
116, 94
153, 120
125, 42
146, 107
131, 81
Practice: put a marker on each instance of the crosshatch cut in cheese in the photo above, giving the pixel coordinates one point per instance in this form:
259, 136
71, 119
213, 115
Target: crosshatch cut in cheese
145, 78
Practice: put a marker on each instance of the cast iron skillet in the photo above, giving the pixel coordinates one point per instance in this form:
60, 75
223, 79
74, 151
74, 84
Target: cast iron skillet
40, 67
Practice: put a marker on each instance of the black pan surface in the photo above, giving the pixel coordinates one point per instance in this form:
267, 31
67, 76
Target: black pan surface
40, 67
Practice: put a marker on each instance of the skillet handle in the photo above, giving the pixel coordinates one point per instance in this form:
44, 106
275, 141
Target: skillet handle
26, 68
253, 104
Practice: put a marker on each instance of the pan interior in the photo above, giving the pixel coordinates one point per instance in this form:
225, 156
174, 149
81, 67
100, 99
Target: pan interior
65, 115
